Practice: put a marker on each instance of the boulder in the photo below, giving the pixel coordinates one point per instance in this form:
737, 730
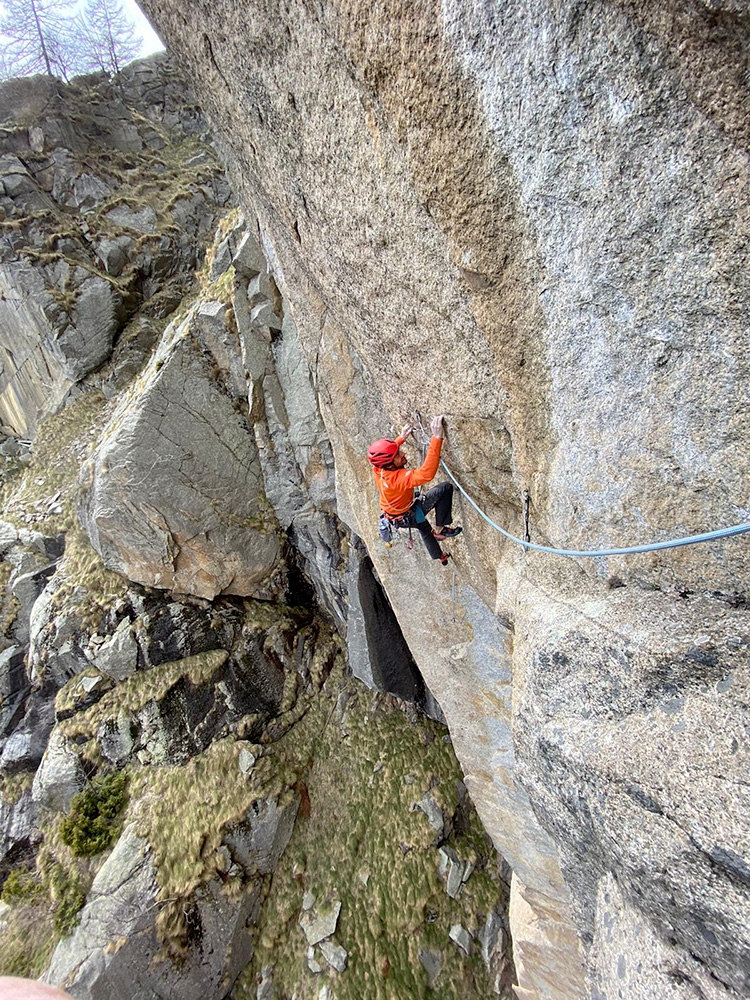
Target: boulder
173, 496
65, 169
89, 191
492, 937
87, 341
59, 776
461, 937
432, 963
36, 139
125, 135
190, 214
18, 825
117, 657
116, 740
320, 922
81, 691
335, 955
261, 838
114, 253
114, 948
222, 260
210, 322
248, 259
141, 220
20, 186
14, 174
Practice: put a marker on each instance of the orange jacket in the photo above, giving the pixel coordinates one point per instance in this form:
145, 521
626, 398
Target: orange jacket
396, 486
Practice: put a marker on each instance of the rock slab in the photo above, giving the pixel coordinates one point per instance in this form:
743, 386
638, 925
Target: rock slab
173, 496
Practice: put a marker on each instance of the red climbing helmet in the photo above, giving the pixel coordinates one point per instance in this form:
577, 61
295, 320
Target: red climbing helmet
382, 452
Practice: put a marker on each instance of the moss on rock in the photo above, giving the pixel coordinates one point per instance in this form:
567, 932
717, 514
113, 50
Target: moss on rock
361, 839
130, 695
95, 817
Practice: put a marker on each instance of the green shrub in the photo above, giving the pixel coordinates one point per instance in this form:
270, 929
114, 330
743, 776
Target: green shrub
69, 906
21, 885
93, 822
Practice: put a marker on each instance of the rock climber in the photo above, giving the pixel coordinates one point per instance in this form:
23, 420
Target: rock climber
396, 484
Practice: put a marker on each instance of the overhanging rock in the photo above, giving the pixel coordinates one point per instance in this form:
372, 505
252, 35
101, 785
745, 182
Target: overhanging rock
531, 217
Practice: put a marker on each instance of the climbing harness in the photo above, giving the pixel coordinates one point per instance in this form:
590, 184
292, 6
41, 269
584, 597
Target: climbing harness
380, 453
389, 527
707, 536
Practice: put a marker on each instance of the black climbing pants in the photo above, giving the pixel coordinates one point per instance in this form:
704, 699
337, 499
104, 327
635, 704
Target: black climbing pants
439, 499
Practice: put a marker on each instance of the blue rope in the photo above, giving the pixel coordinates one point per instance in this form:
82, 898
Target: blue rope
674, 543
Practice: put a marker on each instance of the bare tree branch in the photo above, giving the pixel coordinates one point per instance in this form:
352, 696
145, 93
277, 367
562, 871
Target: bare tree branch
109, 36
46, 36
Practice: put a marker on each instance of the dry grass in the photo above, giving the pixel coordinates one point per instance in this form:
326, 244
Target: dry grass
183, 813
12, 786
50, 480
127, 697
28, 940
43, 498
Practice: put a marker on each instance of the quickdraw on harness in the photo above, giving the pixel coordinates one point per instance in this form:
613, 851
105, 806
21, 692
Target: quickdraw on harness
389, 526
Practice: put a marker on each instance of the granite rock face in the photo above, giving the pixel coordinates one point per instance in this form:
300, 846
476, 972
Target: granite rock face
174, 493
122, 907
100, 216
200, 469
532, 218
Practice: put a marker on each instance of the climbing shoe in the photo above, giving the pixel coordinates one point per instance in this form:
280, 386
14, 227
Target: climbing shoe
444, 533
444, 557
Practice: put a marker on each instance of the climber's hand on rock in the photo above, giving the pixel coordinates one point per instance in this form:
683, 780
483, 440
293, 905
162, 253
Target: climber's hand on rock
436, 426
406, 430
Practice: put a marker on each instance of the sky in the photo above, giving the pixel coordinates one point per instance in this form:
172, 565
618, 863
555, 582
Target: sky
151, 41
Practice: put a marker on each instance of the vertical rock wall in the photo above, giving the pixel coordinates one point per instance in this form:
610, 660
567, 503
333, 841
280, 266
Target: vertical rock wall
107, 196
148, 693
533, 218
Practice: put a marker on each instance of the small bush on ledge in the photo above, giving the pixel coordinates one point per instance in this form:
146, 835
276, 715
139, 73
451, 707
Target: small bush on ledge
93, 822
20, 886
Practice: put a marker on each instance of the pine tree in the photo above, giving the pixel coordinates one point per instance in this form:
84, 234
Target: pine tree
36, 38
108, 36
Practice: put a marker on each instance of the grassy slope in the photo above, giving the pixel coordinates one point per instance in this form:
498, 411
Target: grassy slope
359, 839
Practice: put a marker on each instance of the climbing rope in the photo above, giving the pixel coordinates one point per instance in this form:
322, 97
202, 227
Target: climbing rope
673, 543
